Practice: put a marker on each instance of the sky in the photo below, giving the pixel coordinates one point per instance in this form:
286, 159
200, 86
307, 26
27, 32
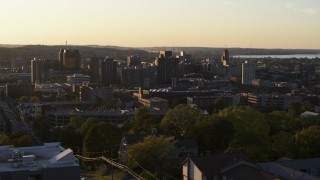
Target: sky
147, 23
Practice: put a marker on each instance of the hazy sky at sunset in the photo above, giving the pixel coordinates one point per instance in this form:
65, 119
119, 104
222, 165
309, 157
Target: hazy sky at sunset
139, 23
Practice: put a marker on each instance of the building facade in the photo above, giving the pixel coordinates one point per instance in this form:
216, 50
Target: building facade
69, 60
108, 71
167, 67
248, 72
138, 77
37, 70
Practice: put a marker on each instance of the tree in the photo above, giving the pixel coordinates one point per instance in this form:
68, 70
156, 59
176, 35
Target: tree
144, 121
218, 105
4, 139
34, 99
277, 121
23, 99
109, 105
294, 108
76, 122
41, 126
214, 134
281, 145
97, 102
87, 125
102, 137
307, 142
251, 132
71, 138
68, 136
180, 120
150, 153
176, 101
23, 141
307, 106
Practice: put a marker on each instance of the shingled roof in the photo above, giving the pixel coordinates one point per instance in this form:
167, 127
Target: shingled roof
213, 164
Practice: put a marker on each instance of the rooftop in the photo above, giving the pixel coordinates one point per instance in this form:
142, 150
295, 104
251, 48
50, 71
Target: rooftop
36, 157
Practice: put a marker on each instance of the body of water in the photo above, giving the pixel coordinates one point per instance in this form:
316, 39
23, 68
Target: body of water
309, 56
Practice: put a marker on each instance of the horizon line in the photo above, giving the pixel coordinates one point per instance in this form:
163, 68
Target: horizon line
160, 46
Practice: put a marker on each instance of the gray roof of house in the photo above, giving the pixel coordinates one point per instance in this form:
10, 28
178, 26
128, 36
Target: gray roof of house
300, 164
213, 164
275, 168
243, 170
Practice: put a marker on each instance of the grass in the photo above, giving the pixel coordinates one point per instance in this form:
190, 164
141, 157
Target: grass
103, 175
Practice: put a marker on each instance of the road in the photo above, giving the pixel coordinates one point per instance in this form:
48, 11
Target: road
15, 118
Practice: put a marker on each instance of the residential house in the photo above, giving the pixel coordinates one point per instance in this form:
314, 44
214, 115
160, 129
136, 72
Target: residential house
223, 167
294, 169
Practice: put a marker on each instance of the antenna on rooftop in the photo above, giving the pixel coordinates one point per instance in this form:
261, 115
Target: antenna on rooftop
66, 44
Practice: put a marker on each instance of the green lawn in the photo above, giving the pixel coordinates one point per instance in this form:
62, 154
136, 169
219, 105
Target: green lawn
103, 175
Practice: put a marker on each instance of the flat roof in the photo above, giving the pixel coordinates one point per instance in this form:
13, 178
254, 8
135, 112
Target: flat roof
36, 157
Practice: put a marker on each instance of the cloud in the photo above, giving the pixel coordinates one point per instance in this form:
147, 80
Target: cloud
309, 11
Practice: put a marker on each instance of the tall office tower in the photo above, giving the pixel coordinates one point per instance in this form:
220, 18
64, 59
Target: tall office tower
225, 58
61, 59
184, 57
133, 60
69, 60
248, 72
108, 71
37, 70
167, 67
94, 69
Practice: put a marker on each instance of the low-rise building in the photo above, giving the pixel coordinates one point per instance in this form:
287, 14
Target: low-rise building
144, 99
78, 79
48, 162
19, 89
272, 100
223, 167
61, 117
88, 93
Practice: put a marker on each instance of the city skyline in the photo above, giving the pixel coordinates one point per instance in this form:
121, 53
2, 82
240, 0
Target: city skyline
145, 23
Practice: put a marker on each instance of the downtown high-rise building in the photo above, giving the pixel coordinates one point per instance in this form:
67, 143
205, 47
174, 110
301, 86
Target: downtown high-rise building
108, 71
225, 59
167, 67
69, 60
133, 60
94, 68
37, 70
248, 72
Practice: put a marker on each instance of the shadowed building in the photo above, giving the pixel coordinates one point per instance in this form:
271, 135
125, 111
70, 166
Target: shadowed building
225, 58
167, 67
94, 69
108, 71
138, 77
69, 60
248, 72
133, 60
37, 70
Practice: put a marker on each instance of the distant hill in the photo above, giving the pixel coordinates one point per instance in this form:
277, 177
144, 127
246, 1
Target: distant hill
234, 51
28, 52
